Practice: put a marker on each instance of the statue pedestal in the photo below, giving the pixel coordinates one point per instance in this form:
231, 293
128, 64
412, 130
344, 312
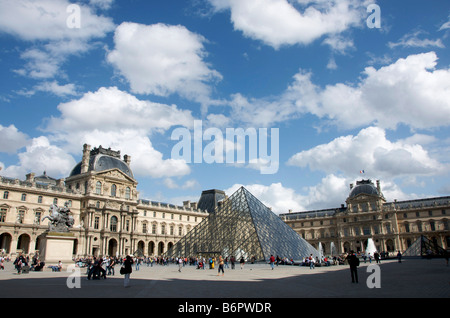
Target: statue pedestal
55, 247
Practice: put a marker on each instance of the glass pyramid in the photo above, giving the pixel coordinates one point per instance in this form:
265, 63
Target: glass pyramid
424, 247
242, 226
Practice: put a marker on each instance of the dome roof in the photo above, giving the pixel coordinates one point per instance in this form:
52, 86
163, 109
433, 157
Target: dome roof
365, 187
102, 162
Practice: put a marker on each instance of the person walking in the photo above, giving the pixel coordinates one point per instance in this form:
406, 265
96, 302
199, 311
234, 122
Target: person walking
242, 262
312, 262
180, 264
399, 257
272, 261
353, 261
232, 260
127, 270
221, 262
376, 255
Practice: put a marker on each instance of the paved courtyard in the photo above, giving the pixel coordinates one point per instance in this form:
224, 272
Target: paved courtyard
413, 278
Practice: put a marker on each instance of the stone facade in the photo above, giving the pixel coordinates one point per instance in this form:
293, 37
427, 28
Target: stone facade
393, 226
110, 218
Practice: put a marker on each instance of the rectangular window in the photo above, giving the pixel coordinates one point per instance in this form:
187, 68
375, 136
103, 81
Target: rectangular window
20, 216
3, 212
37, 217
96, 222
24, 197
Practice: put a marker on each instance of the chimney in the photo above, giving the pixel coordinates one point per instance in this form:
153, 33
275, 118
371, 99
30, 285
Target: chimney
378, 186
127, 159
351, 186
85, 159
30, 177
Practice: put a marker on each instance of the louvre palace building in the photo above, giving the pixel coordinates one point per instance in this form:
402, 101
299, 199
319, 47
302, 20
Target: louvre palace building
393, 226
101, 193
110, 218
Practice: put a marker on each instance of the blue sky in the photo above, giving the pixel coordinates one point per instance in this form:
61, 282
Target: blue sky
344, 96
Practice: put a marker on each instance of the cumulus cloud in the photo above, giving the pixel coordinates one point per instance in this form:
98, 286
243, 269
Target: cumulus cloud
409, 91
162, 60
46, 25
116, 119
372, 151
281, 22
330, 193
12, 139
41, 156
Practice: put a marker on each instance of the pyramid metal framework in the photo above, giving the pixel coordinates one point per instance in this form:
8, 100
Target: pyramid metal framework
242, 226
424, 247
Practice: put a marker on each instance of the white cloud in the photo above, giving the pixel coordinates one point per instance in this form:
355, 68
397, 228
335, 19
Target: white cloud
12, 139
413, 40
339, 44
409, 91
445, 26
41, 156
189, 184
102, 4
46, 20
274, 196
330, 193
282, 22
372, 152
162, 60
116, 119
44, 24
52, 87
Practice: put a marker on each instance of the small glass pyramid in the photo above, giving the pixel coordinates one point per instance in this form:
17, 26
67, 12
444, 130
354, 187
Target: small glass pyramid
242, 226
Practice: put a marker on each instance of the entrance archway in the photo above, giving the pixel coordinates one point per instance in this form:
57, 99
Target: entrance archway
390, 246
151, 248
160, 248
112, 247
5, 243
23, 243
346, 247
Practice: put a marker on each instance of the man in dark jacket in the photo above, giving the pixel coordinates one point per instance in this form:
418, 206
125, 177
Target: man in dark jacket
353, 261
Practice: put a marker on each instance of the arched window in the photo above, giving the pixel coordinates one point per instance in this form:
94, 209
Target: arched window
113, 190
5, 195
98, 188
127, 193
113, 226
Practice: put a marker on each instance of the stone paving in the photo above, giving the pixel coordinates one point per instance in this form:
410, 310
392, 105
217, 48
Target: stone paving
413, 278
